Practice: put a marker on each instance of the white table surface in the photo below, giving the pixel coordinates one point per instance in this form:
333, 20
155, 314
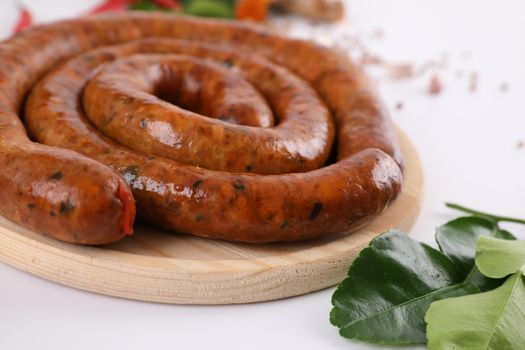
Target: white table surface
468, 143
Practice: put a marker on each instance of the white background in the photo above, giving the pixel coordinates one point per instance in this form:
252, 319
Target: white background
468, 143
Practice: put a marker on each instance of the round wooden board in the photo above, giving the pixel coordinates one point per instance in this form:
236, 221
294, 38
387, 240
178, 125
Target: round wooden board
155, 265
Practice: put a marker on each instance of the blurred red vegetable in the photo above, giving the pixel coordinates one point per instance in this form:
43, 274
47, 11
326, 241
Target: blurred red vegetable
111, 5
24, 20
256, 10
167, 4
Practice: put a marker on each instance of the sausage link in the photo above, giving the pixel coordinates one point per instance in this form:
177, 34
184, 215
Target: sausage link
233, 198
62, 194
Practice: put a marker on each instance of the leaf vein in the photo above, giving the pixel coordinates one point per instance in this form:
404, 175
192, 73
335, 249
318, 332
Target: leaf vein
451, 287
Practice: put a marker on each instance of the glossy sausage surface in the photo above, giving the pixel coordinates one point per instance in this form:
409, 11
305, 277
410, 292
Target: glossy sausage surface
106, 87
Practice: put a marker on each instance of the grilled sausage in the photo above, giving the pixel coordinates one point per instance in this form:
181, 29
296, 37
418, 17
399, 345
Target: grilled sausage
300, 142
65, 195
214, 178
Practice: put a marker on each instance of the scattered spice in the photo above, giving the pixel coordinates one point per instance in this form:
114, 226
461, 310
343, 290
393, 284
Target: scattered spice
399, 106
354, 43
473, 82
435, 86
504, 87
440, 63
24, 21
368, 59
520, 144
399, 71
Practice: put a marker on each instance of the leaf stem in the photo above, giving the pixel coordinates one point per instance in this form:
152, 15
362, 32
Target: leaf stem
492, 217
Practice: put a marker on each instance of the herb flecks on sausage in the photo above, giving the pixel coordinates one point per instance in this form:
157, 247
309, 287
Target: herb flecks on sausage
316, 210
66, 207
239, 186
56, 176
196, 184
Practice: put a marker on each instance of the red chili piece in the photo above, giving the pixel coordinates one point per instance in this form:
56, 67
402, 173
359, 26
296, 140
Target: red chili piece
167, 4
111, 5
24, 20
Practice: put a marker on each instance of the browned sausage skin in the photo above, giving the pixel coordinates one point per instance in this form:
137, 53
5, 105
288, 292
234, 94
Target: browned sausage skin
54, 191
59, 193
234, 206
118, 101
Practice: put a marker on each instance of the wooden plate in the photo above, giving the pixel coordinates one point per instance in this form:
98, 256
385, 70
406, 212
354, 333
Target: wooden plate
155, 265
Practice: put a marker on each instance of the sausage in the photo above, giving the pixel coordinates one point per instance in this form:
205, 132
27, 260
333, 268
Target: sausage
53, 191
300, 142
257, 195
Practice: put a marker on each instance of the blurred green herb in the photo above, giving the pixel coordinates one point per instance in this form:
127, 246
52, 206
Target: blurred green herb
204, 8
210, 8
144, 6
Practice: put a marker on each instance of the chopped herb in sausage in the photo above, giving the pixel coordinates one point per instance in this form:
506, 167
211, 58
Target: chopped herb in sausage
56, 176
66, 207
316, 210
196, 184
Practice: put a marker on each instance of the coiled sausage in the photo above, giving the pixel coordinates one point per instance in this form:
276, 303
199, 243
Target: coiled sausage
103, 87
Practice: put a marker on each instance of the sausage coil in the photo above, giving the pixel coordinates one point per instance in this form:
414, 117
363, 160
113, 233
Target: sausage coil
215, 128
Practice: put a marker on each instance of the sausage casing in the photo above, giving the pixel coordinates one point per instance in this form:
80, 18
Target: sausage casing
262, 184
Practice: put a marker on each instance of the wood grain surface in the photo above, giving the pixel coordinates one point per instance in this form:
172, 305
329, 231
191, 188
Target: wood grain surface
160, 266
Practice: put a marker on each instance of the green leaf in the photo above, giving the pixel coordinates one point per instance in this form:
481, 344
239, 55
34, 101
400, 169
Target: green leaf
389, 288
499, 258
491, 320
457, 239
